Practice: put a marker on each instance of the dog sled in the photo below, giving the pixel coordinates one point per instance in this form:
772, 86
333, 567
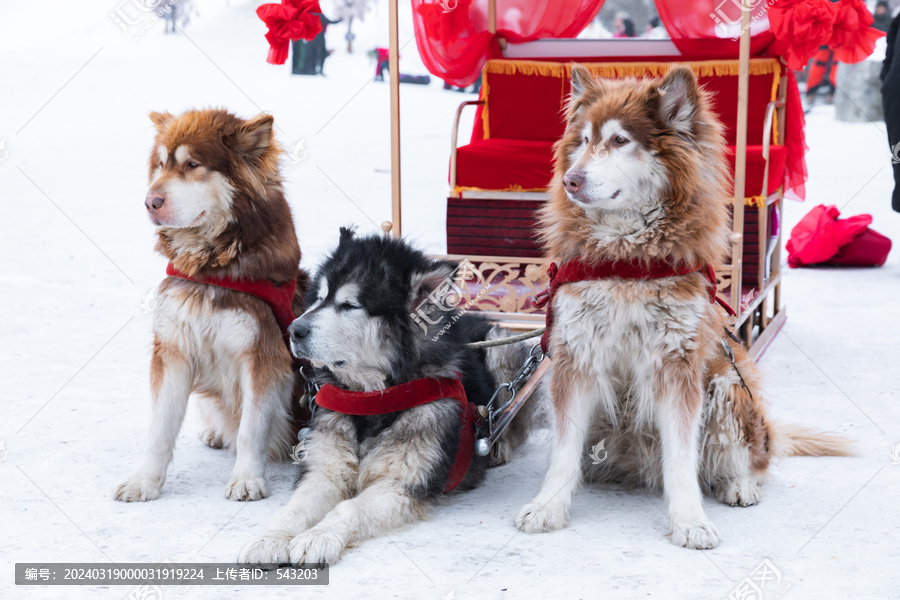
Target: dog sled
745, 51
523, 56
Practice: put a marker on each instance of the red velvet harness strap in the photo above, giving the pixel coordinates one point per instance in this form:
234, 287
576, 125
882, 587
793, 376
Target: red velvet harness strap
576, 270
278, 298
403, 397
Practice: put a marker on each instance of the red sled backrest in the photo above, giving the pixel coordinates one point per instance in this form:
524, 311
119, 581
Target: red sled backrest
525, 99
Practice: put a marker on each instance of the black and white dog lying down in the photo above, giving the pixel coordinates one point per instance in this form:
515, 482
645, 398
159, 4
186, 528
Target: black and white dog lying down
382, 339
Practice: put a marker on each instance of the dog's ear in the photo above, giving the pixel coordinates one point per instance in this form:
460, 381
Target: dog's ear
432, 277
251, 138
347, 234
161, 119
582, 80
679, 98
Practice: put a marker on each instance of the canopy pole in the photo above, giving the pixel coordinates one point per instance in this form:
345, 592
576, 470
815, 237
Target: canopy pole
492, 16
394, 71
492, 23
740, 158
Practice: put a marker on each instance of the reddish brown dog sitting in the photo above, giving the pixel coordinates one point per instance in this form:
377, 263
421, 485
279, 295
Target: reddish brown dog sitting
234, 284
641, 357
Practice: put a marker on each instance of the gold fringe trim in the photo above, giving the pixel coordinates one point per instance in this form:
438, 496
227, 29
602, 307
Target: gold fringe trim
707, 68
483, 95
757, 201
776, 81
526, 67
514, 188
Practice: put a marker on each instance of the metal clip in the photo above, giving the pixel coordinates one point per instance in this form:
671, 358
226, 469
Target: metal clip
312, 388
492, 414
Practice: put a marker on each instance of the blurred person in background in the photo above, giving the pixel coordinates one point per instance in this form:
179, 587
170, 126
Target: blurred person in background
624, 26
890, 98
882, 16
821, 76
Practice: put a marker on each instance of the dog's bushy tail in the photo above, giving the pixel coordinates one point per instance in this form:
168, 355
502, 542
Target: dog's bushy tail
797, 440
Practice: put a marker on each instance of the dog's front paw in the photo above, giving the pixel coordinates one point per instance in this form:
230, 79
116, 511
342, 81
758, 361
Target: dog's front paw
739, 492
317, 546
537, 518
270, 549
138, 489
699, 534
253, 488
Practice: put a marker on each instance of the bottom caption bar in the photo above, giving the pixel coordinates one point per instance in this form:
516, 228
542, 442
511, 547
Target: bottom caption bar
168, 573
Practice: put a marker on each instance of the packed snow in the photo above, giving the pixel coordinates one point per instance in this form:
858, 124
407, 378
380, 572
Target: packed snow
78, 264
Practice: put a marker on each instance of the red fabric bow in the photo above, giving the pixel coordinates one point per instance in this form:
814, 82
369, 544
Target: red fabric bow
403, 397
577, 269
853, 37
290, 21
800, 27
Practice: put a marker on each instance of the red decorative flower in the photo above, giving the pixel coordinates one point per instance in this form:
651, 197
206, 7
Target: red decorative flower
800, 27
853, 37
290, 21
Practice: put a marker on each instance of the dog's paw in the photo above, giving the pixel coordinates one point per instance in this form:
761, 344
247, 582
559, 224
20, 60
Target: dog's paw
317, 546
739, 492
537, 518
138, 489
270, 549
253, 488
699, 534
212, 438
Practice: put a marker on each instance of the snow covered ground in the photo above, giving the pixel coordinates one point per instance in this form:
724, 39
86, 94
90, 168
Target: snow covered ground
77, 260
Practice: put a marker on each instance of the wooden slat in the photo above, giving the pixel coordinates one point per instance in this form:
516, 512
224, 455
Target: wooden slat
456, 248
525, 226
487, 212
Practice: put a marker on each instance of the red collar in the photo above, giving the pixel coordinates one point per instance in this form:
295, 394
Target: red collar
578, 269
403, 397
278, 297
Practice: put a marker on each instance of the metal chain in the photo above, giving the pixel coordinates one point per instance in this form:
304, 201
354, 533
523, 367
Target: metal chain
488, 411
311, 388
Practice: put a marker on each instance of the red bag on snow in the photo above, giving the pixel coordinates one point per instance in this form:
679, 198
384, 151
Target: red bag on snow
868, 249
820, 237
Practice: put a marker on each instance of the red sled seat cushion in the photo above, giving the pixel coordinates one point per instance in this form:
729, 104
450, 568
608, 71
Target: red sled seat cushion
501, 164
505, 164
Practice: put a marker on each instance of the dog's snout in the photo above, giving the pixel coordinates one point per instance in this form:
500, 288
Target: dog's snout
298, 330
154, 202
573, 181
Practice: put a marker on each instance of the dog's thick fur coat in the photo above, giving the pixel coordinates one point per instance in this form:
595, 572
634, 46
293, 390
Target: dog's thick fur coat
363, 476
641, 174
217, 201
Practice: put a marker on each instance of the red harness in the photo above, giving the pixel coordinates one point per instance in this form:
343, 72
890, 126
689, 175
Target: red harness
403, 397
576, 270
278, 297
